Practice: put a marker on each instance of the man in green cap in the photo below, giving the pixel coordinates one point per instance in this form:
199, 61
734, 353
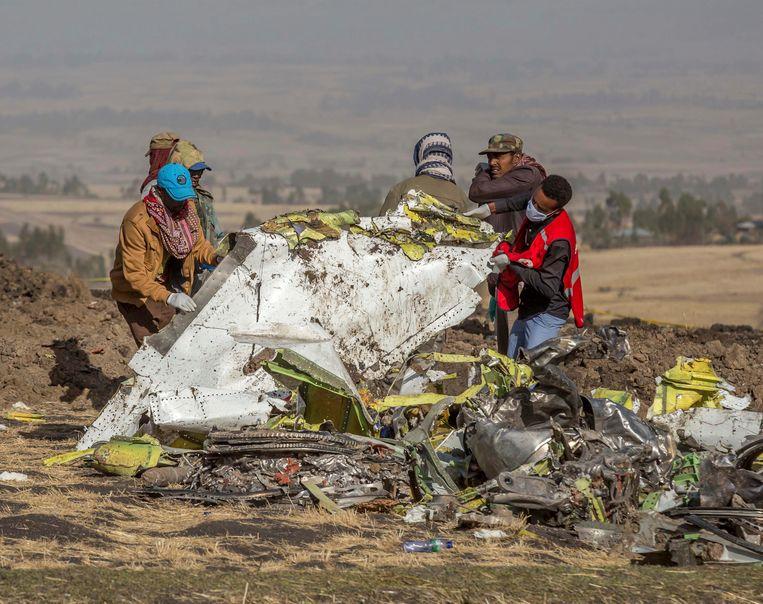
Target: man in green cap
502, 188
508, 173
189, 155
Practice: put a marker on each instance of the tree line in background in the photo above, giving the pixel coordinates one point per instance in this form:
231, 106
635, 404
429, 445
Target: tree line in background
641, 210
71, 186
325, 187
666, 220
45, 248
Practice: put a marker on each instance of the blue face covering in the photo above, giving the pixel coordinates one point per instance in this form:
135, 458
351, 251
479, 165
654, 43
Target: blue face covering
534, 214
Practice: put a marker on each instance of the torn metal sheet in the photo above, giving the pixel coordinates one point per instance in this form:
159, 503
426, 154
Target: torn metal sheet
322, 499
621, 428
602, 535
202, 409
530, 492
707, 428
358, 295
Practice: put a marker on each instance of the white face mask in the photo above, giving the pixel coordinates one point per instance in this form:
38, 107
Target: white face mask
534, 214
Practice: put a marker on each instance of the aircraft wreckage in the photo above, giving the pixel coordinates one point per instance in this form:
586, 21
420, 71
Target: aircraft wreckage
303, 376
348, 310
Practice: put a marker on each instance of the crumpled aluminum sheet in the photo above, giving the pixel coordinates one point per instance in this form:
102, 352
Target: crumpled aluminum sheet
554, 351
722, 430
499, 449
320, 291
622, 430
530, 492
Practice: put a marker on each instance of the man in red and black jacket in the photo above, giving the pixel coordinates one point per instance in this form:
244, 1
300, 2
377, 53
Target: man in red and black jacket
544, 257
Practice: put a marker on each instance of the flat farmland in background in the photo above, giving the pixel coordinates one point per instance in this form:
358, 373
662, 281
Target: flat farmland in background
92, 225
685, 285
689, 285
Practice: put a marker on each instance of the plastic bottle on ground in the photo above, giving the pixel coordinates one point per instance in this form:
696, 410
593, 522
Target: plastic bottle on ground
431, 545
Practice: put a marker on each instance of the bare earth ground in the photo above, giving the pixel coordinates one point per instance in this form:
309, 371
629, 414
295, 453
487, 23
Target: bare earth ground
69, 534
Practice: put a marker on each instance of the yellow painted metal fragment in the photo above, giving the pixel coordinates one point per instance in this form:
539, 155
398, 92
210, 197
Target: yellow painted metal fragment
25, 416
66, 458
124, 456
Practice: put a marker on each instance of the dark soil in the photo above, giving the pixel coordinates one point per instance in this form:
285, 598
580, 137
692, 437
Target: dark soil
43, 526
735, 351
59, 341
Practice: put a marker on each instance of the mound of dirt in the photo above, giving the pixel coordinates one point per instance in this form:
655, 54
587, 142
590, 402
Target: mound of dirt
736, 353
58, 341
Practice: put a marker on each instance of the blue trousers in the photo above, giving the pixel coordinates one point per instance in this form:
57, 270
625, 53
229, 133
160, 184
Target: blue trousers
528, 333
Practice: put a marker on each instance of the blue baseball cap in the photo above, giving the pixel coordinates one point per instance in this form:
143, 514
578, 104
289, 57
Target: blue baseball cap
176, 180
201, 165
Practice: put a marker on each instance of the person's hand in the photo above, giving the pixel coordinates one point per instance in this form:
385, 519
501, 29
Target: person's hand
182, 302
481, 212
499, 263
483, 166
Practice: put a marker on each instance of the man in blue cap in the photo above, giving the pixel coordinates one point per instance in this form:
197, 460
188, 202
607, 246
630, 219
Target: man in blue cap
160, 243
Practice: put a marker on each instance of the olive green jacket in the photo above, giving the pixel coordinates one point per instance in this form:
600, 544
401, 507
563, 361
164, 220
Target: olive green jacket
442, 190
210, 224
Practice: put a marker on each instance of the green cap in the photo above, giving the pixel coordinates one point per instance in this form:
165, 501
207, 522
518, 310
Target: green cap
503, 143
188, 154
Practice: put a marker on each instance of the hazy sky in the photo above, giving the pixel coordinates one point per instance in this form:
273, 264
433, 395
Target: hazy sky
625, 32
619, 85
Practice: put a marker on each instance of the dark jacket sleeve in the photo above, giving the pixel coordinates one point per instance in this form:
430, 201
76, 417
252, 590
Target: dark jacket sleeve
518, 203
546, 280
519, 180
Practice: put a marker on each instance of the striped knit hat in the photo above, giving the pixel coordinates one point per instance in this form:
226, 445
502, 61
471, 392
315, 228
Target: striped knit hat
433, 155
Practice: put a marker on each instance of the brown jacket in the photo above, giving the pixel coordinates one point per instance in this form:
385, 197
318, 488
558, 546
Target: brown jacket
522, 179
442, 190
140, 258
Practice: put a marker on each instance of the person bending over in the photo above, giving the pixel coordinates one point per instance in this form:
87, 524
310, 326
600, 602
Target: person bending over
160, 242
544, 258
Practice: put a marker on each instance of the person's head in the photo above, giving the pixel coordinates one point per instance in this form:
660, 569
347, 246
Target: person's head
433, 155
189, 155
552, 195
504, 152
162, 142
173, 182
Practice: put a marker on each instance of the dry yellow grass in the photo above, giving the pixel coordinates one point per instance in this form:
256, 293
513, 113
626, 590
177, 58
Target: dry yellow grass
69, 515
69, 534
695, 285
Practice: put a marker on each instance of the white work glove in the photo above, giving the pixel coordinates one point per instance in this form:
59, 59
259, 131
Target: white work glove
499, 263
480, 212
182, 302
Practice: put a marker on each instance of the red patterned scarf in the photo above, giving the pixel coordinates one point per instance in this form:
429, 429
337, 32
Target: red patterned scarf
179, 230
157, 158
527, 160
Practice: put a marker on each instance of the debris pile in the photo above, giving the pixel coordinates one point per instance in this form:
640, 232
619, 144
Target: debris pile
290, 382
